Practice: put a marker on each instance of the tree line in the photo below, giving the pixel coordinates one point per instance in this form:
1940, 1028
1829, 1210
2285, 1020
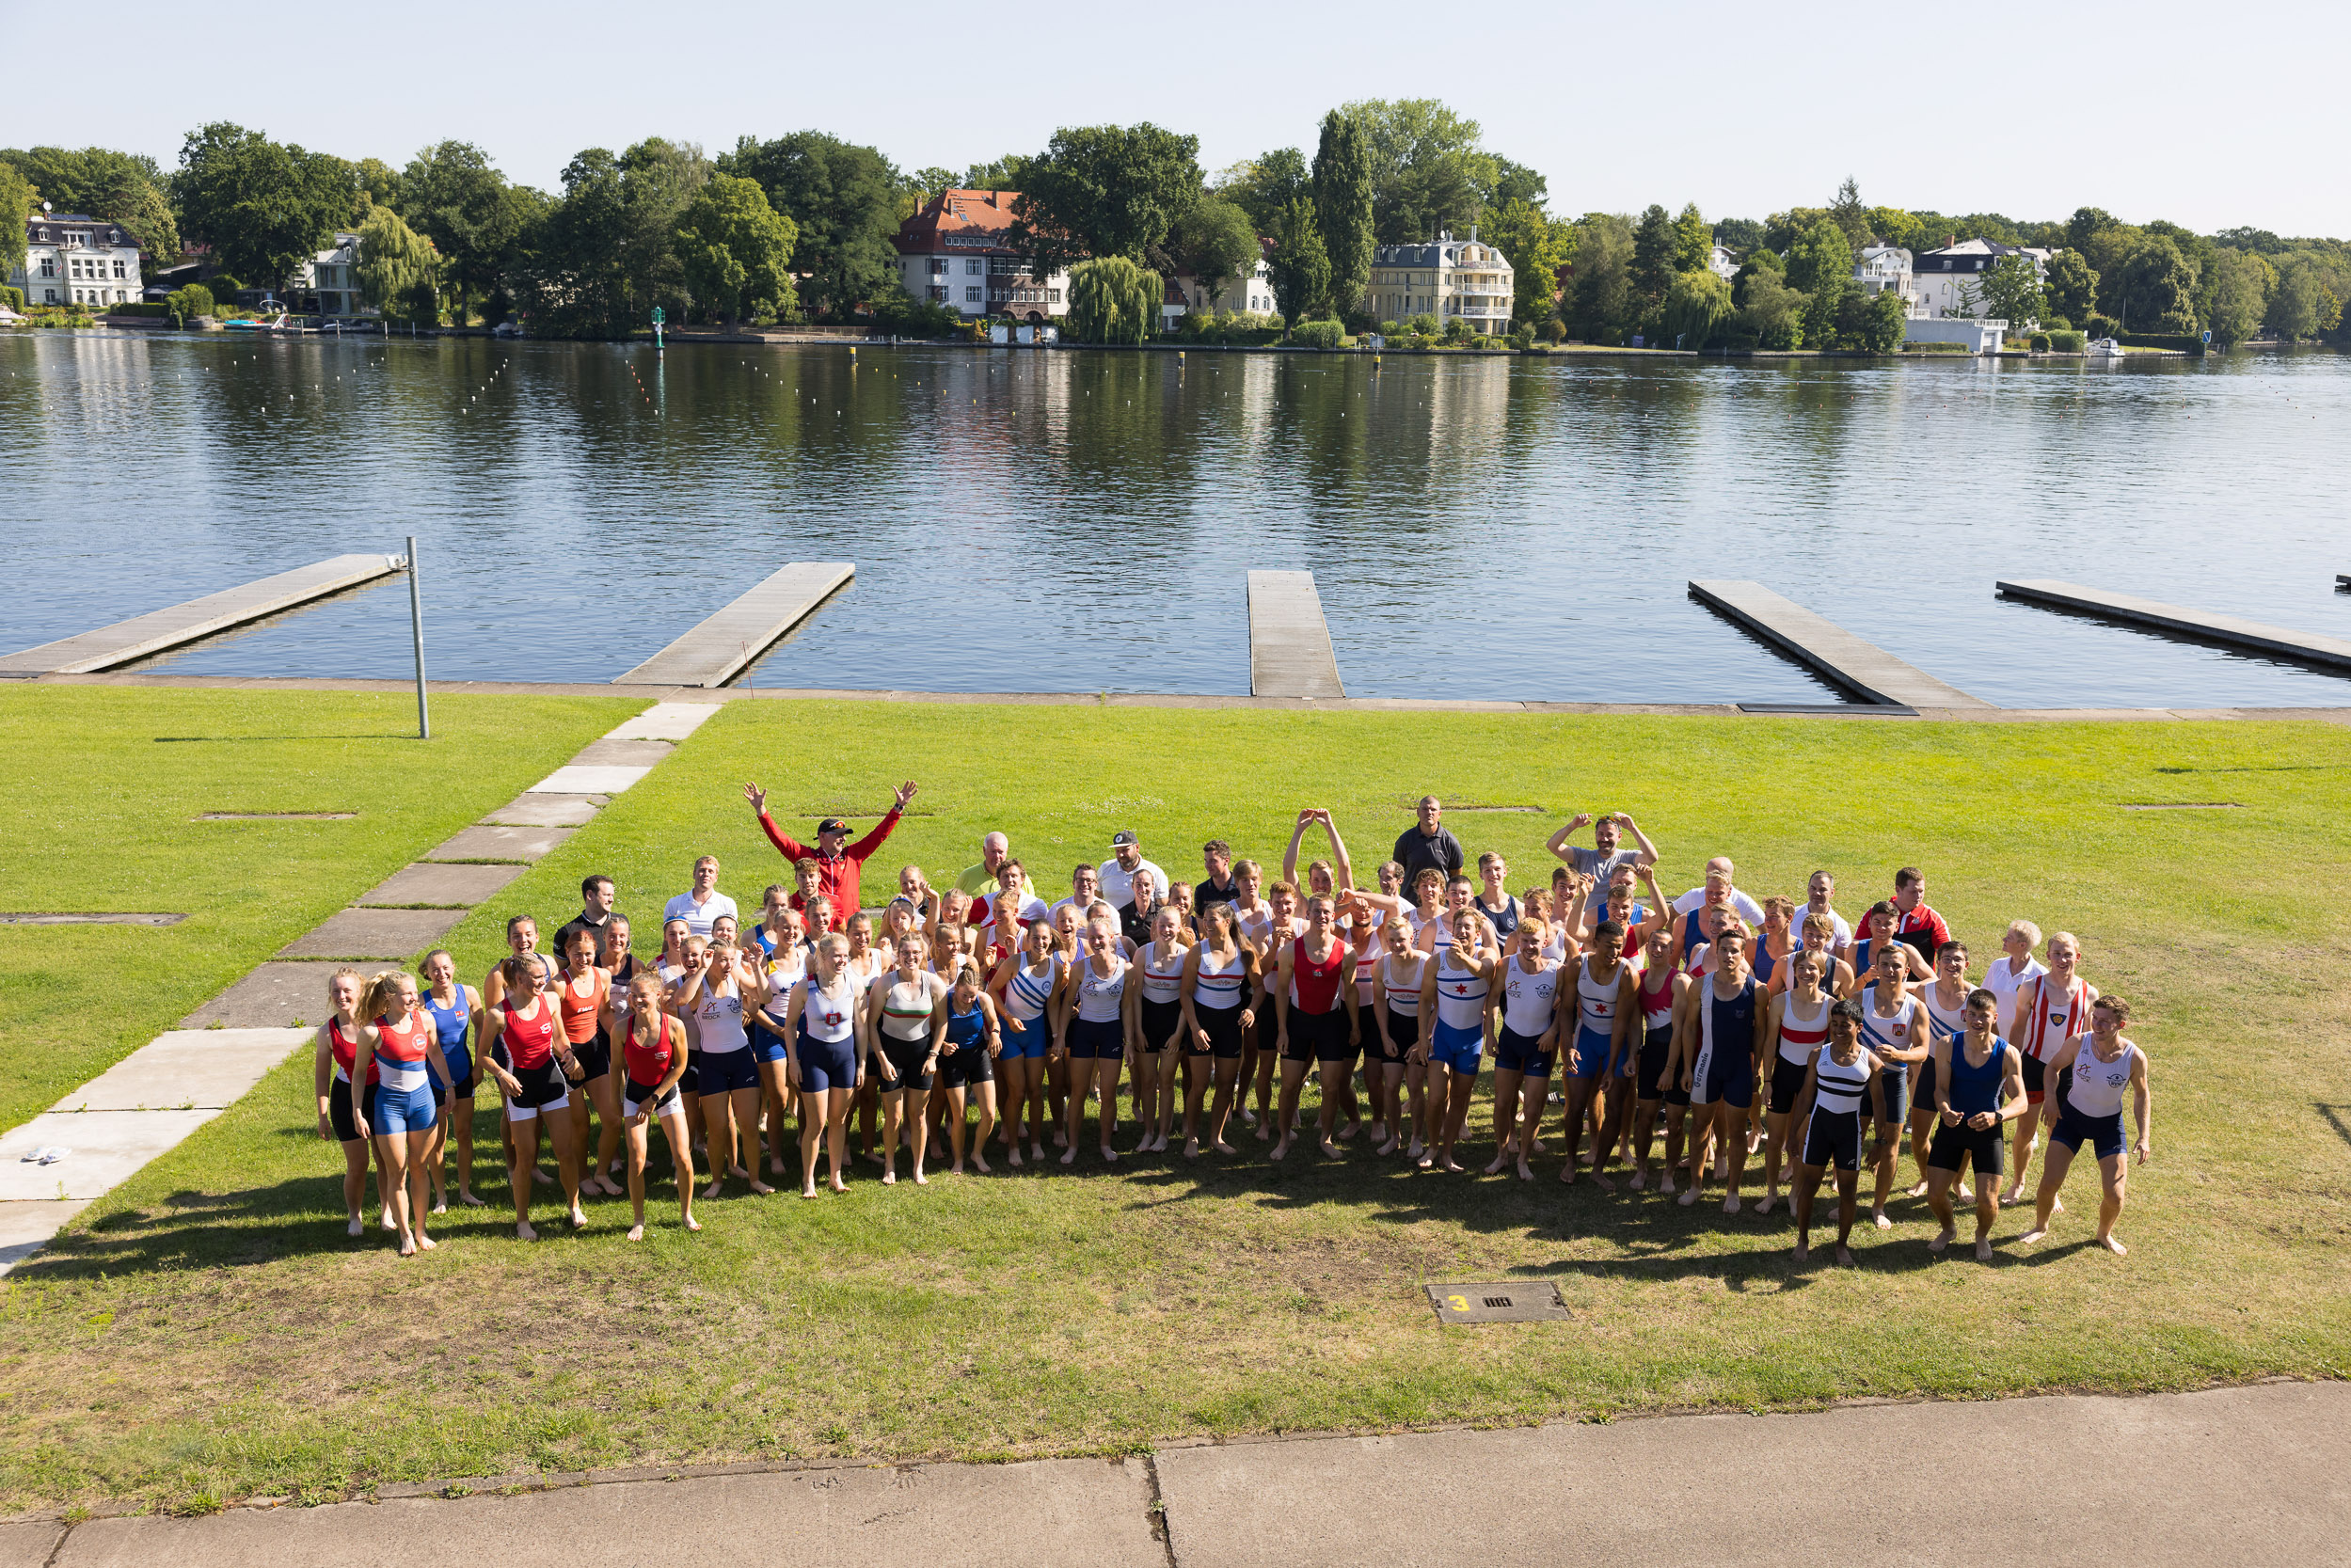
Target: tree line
801, 227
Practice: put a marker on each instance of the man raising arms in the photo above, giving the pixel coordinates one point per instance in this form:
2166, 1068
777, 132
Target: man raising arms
838, 862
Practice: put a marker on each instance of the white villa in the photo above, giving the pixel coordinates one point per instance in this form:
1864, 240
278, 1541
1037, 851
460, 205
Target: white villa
328, 284
1937, 276
1185, 294
72, 259
955, 251
1446, 278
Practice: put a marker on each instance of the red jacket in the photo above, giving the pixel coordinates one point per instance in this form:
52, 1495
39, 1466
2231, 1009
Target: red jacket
836, 875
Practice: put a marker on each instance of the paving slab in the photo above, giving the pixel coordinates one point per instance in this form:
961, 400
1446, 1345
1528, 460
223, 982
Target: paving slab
1082, 1512
580, 780
547, 811
28, 1546
665, 722
143, 636
458, 887
610, 752
718, 649
1848, 662
274, 996
2252, 1474
207, 1069
1289, 642
25, 1227
2327, 653
107, 1146
374, 934
499, 844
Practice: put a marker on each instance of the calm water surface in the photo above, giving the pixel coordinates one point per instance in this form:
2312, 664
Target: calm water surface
1081, 521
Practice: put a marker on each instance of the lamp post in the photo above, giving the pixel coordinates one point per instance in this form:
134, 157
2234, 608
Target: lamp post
415, 627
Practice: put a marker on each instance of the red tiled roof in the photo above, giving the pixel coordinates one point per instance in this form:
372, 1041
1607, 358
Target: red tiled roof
978, 220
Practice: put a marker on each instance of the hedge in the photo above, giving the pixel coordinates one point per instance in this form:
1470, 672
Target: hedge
157, 309
1322, 334
2068, 342
2184, 341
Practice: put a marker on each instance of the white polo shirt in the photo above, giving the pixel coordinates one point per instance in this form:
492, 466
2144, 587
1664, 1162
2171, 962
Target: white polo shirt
1117, 883
699, 916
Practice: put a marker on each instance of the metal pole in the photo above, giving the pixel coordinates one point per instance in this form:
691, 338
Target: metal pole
416, 624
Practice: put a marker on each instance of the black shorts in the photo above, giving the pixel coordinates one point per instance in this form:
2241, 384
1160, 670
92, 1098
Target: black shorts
542, 1085
1788, 1081
1650, 1066
1954, 1143
1922, 1097
908, 1056
463, 1088
1318, 1037
638, 1097
1162, 1022
1402, 1034
1890, 1099
596, 1058
2036, 1078
1223, 1027
1834, 1138
339, 1110
961, 1070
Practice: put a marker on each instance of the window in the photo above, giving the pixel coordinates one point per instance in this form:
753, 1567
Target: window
1052, 296
971, 294
49, 269
118, 267
938, 266
937, 292
48, 296
973, 269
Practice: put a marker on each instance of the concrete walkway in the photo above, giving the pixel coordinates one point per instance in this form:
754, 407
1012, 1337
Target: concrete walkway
2255, 1474
145, 1104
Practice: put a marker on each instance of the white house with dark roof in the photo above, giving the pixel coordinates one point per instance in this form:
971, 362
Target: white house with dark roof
328, 284
955, 251
1939, 276
72, 259
1447, 278
1883, 267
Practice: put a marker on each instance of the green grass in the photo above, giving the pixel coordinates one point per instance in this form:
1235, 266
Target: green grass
104, 784
209, 1330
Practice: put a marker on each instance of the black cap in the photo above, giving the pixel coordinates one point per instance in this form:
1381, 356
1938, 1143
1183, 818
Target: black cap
832, 825
1121, 838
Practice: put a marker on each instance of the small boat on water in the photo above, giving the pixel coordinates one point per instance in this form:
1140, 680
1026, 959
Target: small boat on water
2103, 348
277, 324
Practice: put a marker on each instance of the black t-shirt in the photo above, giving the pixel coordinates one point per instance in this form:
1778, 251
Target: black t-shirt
1205, 894
1415, 851
582, 922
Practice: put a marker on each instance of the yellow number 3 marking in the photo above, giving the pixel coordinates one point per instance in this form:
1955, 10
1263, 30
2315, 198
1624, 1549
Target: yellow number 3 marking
1459, 1304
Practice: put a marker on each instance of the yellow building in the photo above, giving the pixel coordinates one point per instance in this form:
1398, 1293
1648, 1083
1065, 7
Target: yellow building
1447, 278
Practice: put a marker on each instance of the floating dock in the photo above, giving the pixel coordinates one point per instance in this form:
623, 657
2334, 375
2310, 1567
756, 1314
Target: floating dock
723, 646
2329, 653
145, 636
1846, 661
1289, 643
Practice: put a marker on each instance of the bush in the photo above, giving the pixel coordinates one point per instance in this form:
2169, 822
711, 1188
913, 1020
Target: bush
2055, 323
2068, 342
1388, 329
2102, 327
1424, 325
1324, 334
158, 310
12, 298
2038, 342
223, 286
1457, 328
1934, 348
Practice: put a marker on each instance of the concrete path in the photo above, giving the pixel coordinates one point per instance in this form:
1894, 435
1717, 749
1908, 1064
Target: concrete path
145, 1104
143, 636
2329, 653
2255, 1474
721, 647
1847, 662
1289, 641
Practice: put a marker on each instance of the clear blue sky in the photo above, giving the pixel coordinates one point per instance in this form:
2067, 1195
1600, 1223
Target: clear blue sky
2209, 115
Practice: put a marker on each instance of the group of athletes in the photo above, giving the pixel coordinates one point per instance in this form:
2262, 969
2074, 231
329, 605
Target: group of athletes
979, 1014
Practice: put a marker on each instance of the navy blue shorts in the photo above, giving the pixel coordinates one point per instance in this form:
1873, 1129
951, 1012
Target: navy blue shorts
827, 1065
1892, 1095
725, 1071
1517, 1053
767, 1043
1090, 1038
2102, 1134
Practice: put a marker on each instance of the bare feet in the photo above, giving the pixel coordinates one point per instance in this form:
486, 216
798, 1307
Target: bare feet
2113, 1245
1803, 1253
408, 1248
1919, 1191
1350, 1130
1983, 1250
440, 1206
838, 1186
718, 1185
1943, 1238
2031, 1236
1768, 1199
1688, 1197
1454, 1166
636, 1232
889, 1178
1844, 1255
1603, 1182
1730, 1204
523, 1231
1500, 1160
920, 1179
1279, 1150
979, 1163
691, 1223
1423, 1162
1331, 1149
1877, 1217
1264, 1132
1036, 1153
1191, 1148
809, 1191
424, 1243
1109, 1155
578, 1218
760, 1187
1069, 1156
2013, 1196
1224, 1147
1639, 1179
1526, 1172
357, 1228
470, 1201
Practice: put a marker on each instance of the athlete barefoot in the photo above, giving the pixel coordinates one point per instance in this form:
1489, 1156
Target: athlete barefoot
720, 994
1159, 1017
1795, 1027
1726, 1009
1096, 1035
582, 1001
653, 1060
2052, 1010
537, 1070
1396, 982
1894, 1030
1028, 989
2102, 1065
456, 1010
903, 1044
402, 1053
1524, 1049
1605, 998
1456, 993
967, 1043
1979, 1088
1835, 1089
827, 1010
1314, 1019
785, 967
1654, 1085
1943, 1010
1220, 977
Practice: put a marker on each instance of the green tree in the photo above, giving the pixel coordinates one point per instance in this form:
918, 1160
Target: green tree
1428, 170
263, 207
2069, 287
2302, 303
399, 270
1883, 324
122, 187
379, 182
603, 255
1774, 313
1694, 244
1850, 217
18, 201
452, 194
1537, 249
1820, 267
2012, 291
2154, 291
1008, 173
1216, 243
737, 251
1905, 231
1104, 190
1697, 303
843, 201
1654, 241
1599, 301
1262, 186
1739, 235
1514, 182
1759, 261
1113, 300
1343, 211
917, 189
1299, 269
2240, 295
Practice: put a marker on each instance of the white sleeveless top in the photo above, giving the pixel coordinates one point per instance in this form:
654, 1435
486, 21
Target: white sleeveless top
1596, 1000
830, 1017
1528, 996
1840, 1084
2098, 1086
1218, 985
1803, 1037
1460, 994
719, 1021
1403, 1000
1162, 973
1099, 995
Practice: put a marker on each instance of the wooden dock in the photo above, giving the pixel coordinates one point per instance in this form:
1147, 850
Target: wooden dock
1289, 642
2329, 653
1846, 661
723, 646
145, 636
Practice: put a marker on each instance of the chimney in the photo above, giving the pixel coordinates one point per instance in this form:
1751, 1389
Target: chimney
1949, 240
1473, 233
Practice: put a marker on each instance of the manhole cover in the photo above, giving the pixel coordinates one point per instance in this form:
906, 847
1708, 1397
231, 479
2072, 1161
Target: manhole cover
11, 919
1509, 1301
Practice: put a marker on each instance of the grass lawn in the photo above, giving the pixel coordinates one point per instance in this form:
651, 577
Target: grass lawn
106, 785
209, 1331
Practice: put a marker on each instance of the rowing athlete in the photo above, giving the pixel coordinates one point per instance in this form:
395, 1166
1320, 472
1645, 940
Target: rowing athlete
2103, 1065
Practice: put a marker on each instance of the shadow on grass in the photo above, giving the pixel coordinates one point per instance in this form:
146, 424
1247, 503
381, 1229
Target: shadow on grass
2337, 1118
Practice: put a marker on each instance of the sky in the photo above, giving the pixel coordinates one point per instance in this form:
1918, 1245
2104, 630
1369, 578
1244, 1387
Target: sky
1745, 109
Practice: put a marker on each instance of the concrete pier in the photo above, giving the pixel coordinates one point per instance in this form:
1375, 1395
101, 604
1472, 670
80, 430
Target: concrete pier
719, 649
1289, 643
2329, 653
1846, 661
145, 636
